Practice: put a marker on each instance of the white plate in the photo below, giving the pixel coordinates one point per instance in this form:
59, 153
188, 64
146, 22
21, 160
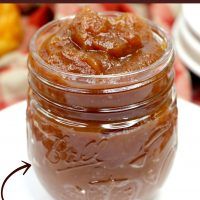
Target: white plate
186, 53
191, 13
183, 182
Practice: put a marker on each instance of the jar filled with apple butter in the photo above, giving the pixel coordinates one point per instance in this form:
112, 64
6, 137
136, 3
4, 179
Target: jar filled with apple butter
101, 114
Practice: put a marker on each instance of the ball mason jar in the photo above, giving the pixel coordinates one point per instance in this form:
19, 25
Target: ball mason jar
101, 137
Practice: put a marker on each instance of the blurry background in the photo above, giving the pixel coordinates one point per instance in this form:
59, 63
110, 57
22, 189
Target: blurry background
18, 22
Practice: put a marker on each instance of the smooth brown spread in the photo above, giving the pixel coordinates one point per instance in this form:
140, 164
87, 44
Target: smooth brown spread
95, 44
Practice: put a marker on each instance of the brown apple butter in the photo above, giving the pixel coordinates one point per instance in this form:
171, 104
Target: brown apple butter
101, 114
96, 44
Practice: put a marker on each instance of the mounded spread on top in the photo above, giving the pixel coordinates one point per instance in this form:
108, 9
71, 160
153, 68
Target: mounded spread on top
95, 44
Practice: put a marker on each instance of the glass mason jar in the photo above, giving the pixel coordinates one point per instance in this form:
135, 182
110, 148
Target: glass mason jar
102, 137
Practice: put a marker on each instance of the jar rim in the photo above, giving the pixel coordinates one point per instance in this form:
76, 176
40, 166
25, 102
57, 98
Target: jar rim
87, 78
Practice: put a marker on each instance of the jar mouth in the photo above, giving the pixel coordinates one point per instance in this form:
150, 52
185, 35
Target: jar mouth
133, 76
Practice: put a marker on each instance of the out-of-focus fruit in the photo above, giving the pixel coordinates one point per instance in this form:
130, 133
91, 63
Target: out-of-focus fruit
11, 31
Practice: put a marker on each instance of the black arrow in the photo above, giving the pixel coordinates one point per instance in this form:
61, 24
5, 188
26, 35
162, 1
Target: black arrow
26, 167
